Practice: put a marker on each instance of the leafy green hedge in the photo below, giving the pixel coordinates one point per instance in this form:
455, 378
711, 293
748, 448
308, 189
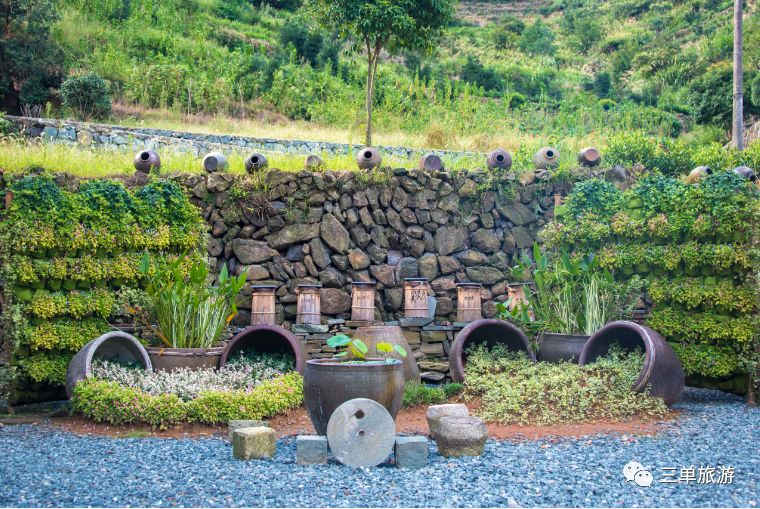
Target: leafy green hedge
70, 262
112, 403
696, 246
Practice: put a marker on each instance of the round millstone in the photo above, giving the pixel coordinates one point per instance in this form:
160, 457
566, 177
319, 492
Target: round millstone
361, 433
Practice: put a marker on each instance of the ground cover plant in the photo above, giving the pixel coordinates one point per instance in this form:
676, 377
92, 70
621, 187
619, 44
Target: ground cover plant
696, 248
424, 394
241, 373
116, 404
70, 263
513, 389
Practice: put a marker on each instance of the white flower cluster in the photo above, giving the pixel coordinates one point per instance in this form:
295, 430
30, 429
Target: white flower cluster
187, 384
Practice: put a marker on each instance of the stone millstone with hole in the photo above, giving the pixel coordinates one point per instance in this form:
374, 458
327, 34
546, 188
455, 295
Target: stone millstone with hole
361, 433
435, 412
253, 443
460, 436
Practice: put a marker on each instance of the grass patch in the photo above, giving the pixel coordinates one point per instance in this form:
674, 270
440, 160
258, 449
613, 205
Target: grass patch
516, 390
421, 394
18, 155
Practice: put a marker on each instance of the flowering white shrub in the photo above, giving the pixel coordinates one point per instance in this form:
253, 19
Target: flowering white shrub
242, 373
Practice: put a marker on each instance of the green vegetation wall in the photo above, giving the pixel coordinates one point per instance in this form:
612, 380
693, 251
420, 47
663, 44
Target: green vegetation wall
70, 266
697, 247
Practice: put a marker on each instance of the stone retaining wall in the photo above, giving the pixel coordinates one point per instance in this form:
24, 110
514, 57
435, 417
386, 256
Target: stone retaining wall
137, 138
333, 228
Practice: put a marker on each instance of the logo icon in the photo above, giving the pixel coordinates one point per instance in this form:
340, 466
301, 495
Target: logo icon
633, 471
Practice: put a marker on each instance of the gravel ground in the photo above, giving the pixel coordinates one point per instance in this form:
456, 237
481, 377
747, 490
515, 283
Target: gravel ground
45, 467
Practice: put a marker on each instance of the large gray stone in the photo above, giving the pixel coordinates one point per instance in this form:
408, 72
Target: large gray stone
448, 264
384, 274
244, 423
253, 443
311, 450
428, 266
411, 452
334, 301
460, 436
450, 239
518, 213
523, 238
331, 278
435, 412
293, 234
486, 241
358, 259
334, 234
471, 258
319, 253
252, 251
485, 275
407, 267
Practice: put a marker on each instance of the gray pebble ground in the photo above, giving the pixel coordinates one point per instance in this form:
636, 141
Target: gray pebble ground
44, 467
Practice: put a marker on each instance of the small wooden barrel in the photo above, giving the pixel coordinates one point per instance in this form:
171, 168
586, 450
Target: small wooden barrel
363, 301
516, 293
308, 307
468, 302
416, 297
262, 305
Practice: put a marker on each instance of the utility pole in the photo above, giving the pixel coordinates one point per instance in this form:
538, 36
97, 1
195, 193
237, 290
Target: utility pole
738, 121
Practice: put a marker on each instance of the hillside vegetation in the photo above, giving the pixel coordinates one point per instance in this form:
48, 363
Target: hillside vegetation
504, 70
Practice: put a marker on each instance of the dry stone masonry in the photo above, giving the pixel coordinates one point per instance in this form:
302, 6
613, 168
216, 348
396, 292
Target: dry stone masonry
332, 228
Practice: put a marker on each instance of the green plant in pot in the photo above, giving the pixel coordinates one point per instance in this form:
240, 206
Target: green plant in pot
353, 372
185, 313
571, 298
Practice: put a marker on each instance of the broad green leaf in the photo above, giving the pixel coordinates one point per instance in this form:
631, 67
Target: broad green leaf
338, 340
341, 354
384, 347
145, 264
359, 345
400, 350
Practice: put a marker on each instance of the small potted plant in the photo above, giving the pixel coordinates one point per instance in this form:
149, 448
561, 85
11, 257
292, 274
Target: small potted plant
186, 314
351, 374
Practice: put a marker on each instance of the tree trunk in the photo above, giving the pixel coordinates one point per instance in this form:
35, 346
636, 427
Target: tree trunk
738, 120
368, 100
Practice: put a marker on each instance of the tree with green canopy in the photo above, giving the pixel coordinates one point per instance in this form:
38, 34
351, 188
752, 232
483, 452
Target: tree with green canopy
391, 25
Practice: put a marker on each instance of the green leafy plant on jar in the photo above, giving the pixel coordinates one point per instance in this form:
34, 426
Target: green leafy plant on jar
356, 350
188, 312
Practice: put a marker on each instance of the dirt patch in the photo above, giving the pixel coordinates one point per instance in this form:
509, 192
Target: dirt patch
409, 421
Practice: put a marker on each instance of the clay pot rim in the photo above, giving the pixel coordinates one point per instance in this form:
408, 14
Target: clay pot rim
372, 362
184, 352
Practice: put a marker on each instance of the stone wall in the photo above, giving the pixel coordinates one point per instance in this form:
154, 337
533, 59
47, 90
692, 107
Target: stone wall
138, 138
333, 228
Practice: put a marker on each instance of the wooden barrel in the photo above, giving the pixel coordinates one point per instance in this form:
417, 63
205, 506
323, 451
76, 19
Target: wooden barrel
416, 297
116, 346
262, 305
662, 373
468, 302
363, 301
516, 293
308, 307
374, 334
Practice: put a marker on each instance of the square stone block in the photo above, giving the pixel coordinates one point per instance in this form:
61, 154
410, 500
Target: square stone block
311, 450
411, 452
309, 328
244, 423
253, 443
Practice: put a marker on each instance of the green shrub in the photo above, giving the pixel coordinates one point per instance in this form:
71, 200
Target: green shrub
47, 367
109, 402
537, 39
421, 394
87, 96
514, 389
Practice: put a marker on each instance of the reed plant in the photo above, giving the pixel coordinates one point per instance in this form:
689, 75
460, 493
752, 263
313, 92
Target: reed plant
186, 310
